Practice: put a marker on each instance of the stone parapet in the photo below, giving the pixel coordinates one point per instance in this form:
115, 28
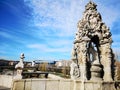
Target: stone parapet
6, 81
63, 84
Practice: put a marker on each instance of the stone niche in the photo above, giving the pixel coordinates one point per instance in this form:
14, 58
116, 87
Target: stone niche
92, 55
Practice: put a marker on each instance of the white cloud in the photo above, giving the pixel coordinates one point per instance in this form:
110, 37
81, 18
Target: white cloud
60, 17
109, 14
63, 15
47, 48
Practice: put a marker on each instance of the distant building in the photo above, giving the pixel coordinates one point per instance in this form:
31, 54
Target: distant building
7, 62
63, 63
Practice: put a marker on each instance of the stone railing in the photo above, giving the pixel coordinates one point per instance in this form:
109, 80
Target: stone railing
63, 84
34, 74
6, 80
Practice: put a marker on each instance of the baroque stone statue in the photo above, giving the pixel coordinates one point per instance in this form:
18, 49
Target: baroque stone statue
92, 47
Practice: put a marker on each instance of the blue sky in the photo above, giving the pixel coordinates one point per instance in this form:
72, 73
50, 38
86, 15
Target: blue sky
45, 29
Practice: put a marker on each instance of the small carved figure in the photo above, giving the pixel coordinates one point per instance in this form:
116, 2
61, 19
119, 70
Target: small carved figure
19, 67
74, 72
33, 63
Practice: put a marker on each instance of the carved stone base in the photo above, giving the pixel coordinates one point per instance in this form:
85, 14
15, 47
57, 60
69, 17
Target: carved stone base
19, 74
96, 71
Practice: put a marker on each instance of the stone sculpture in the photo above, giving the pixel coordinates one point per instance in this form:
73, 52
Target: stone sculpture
20, 67
92, 47
33, 63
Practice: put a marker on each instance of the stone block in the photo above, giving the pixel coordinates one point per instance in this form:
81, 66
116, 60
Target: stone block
77, 85
18, 85
38, 85
88, 86
109, 86
97, 86
52, 85
28, 85
65, 85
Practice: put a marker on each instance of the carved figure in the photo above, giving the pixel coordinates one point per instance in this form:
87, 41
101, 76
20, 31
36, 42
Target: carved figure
20, 64
93, 54
33, 63
75, 73
19, 67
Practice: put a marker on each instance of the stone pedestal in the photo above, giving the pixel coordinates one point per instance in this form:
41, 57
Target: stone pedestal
96, 71
19, 74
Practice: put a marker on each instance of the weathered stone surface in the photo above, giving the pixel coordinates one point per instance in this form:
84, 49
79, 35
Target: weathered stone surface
28, 84
96, 71
88, 86
66, 84
6, 81
92, 43
77, 85
52, 85
37, 85
18, 85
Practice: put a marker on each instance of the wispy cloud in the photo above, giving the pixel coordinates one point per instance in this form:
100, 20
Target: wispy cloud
52, 26
64, 15
58, 19
60, 15
4, 34
109, 13
47, 52
48, 49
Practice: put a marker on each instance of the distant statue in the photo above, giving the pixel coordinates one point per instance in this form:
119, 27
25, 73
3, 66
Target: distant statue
20, 64
19, 67
33, 63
